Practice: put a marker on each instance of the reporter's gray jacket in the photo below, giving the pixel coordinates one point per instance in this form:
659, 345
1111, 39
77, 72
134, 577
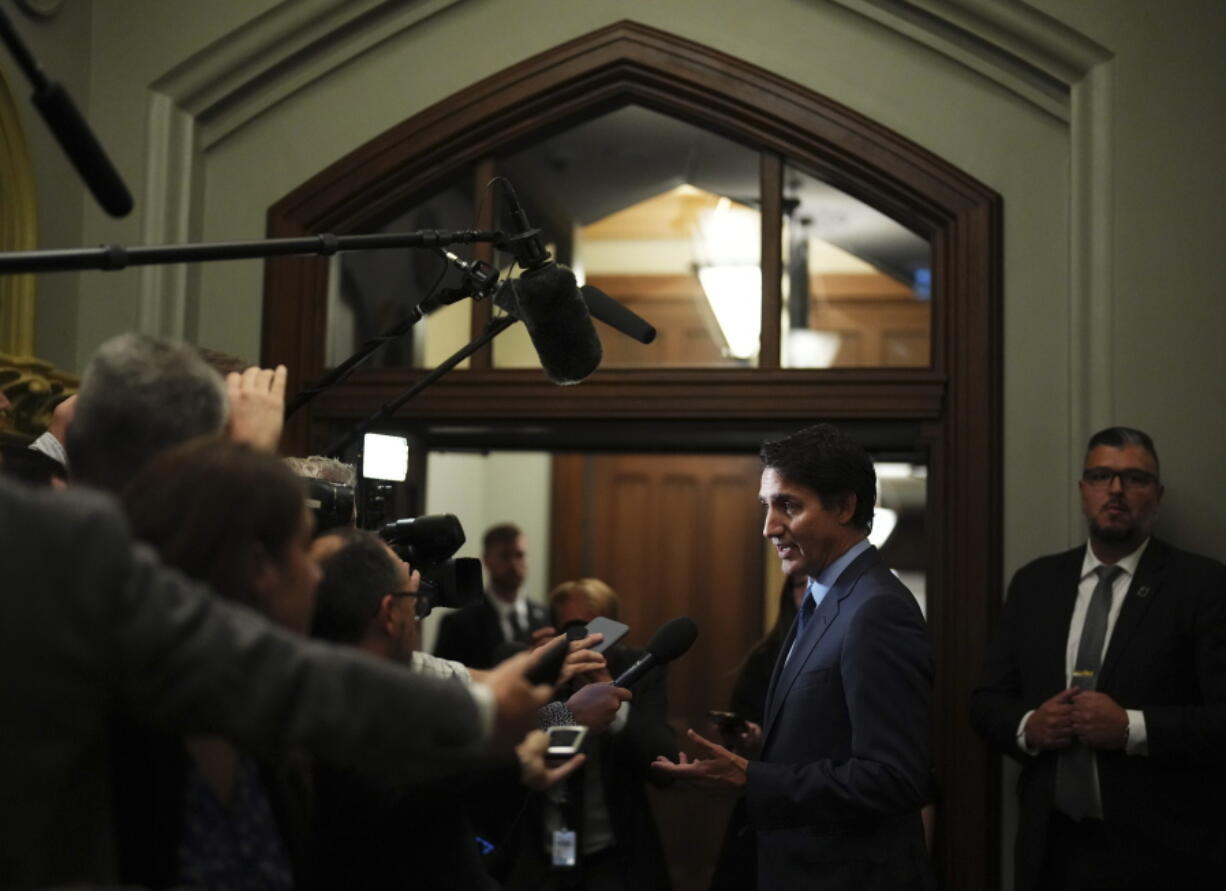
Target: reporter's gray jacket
91, 624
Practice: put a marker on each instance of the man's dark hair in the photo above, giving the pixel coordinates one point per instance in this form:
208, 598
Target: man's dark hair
356, 578
831, 464
503, 533
1119, 437
140, 396
206, 504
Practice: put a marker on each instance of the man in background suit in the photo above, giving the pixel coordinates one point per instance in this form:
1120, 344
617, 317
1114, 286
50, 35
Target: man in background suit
1107, 681
843, 771
482, 635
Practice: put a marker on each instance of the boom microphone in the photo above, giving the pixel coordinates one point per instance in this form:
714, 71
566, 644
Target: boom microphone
548, 302
70, 128
673, 639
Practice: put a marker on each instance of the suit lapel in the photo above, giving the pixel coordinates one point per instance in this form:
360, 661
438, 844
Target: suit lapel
491, 626
1145, 589
788, 669
1054, 626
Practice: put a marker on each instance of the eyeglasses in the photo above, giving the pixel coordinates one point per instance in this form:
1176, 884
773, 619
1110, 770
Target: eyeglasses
1101, 477
422, 607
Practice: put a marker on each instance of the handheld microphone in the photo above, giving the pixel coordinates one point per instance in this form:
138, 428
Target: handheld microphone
548, 302
672, 639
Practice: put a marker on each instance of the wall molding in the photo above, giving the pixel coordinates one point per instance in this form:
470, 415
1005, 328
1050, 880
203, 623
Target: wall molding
1066, 75
18, 227
207, 97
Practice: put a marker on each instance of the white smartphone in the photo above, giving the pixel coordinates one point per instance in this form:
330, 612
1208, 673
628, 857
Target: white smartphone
565, 741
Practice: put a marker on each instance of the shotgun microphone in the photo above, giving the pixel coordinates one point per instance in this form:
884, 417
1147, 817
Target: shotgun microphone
547, 300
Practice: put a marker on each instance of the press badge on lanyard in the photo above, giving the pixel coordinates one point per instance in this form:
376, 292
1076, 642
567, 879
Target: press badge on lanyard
563, 848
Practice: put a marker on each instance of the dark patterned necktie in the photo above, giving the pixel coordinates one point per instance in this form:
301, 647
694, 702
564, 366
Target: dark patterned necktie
1075, 783
807, 608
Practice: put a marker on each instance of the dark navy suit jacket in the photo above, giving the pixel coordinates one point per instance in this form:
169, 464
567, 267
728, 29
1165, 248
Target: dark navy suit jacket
844, 769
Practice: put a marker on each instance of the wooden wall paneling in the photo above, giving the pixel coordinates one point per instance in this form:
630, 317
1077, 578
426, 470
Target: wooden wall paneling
771, 194
569, 552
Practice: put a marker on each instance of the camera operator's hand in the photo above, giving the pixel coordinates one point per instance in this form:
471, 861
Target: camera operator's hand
516, 699
257, 406
595, 705
533, 771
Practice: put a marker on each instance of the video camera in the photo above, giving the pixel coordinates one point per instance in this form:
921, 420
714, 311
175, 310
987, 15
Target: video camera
427, 544
332, 504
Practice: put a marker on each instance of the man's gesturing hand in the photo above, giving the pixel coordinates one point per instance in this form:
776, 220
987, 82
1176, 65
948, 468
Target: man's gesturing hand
1050, 726
720, 767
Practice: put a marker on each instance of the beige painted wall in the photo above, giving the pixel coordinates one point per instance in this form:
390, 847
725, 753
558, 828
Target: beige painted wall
485, 489
1168, 368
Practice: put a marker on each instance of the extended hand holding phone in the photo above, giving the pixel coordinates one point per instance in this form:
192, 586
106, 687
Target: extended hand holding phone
612, 630
565, 741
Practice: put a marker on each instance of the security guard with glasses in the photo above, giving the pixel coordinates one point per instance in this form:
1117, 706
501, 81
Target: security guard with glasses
1107, 682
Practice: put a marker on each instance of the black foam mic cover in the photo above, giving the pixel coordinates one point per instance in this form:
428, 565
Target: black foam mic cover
615, 315
558, 321
672, 639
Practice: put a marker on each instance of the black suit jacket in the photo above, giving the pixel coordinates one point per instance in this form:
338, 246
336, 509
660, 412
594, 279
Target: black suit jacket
473, 635
844, 770
1166, 657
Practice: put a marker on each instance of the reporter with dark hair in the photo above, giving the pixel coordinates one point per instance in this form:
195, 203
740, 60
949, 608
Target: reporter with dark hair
90, 623
235, 518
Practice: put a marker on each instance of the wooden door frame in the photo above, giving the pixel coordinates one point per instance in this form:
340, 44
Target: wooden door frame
956, 402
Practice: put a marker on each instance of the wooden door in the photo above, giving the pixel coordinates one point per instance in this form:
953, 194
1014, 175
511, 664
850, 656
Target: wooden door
674, 535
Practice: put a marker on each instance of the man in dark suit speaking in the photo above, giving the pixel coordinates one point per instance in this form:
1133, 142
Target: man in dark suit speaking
1107, 681
835, 794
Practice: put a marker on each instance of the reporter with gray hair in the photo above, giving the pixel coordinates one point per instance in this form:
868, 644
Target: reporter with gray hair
141, 395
